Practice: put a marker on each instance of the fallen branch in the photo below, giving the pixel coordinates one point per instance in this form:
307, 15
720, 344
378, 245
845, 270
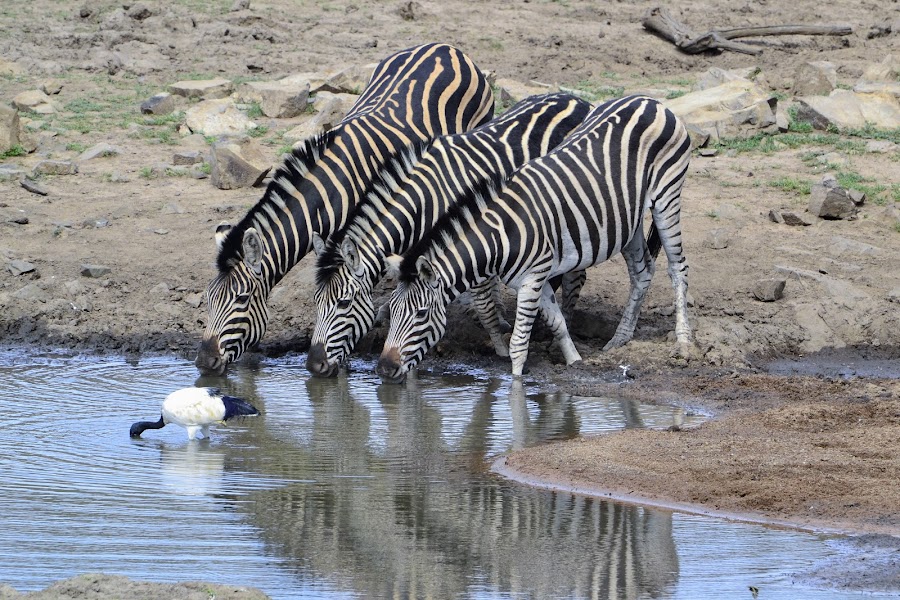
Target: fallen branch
661, 21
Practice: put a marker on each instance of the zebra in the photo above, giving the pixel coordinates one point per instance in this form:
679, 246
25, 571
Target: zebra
412, 192
577, 206
413, 95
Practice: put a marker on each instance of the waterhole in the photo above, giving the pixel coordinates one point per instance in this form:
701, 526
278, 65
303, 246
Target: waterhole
344, 488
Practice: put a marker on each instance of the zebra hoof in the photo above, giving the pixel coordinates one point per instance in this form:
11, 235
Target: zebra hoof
614, 343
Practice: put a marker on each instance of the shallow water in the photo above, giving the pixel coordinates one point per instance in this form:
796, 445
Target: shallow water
344, 488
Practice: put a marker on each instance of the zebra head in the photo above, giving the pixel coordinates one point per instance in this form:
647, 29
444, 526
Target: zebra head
236, 302
345, 309
418, 321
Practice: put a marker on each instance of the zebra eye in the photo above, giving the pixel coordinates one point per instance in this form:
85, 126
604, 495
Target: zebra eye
343, 303
243, 299
422, 313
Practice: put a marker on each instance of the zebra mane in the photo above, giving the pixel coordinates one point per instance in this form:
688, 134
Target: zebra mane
444, 232
295, 167
384, 185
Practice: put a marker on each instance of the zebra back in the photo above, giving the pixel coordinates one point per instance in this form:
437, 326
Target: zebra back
409, 195
572, 208
413, 95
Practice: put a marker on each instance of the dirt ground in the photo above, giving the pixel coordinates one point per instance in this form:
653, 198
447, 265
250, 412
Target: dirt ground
812, 450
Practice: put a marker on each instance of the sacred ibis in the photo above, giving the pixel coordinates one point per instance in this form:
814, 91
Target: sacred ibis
195, 409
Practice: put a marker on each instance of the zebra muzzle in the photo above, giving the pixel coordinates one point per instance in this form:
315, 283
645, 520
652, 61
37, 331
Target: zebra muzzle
390, 367
209, 360
318, 364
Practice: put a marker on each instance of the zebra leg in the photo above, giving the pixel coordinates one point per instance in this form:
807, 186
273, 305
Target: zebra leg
528, 300
486, 306
640, 270
666, 213
557, 325
572, 282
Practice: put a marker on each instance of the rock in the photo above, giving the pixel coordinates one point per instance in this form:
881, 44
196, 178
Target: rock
9, 127
816, 78
511, 91
51, 87
717, 239
194, 300
894, 295
716, 76
775, 216
94, 271
209, 89
858, 197
10, 171
237, 163
140, 11
850, 110
833, 203
33, 187
708, 152
217, 117
98, 150
19, 267
887, 70
891, 88
332, 109
727, 110
769, 290
277, 100
699, 137
315, 81
160, 104
352, 80
35, 101
56, 167
796, 219
186, 158
880, 146
240, 5
10, 68
32, 292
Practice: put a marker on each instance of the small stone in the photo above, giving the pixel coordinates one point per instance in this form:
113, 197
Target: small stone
56, 167
32, 292
858, 197
139, 12
19, 267
894, 295
187, 158
208, 89
237, 163
160, 104
217, 117
9, 127
817, 78
98, 150
717, 239
240, 5
94, 271
708, 152
161, 231
51, 87
33, 187
796, 219
194, 300
20, 220
775, 216
33, 100
769, 290
834, 203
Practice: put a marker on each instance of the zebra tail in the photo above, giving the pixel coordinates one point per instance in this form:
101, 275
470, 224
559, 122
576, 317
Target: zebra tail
235, 407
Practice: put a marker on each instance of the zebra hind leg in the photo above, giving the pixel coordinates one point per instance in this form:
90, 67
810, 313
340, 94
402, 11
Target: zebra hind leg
640, 271
667, 218
557, 324
487, 307
572, 283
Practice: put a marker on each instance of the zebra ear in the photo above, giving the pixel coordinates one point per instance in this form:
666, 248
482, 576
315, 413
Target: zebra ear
392, 265
222, 230
318, 243
350, 253
252, 248
426, 271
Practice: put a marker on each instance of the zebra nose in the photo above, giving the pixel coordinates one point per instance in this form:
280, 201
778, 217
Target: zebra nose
209, 360
317, 362
389, 366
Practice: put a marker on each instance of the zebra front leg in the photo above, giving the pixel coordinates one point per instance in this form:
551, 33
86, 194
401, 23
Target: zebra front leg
640, 271
487, 308
528, 301
557, 324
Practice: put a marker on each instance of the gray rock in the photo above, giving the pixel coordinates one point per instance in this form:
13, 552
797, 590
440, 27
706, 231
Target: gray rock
891, 88
194, 300
834, 203
717, 239
9, 171
217, 117
9, 127
51, 87
160, 104
94, 271
850, 110
98, 150
35, 101
796, 219
332, 109
237, 163
33, 187
351, 80
894, 295
776, 216
56, 167
727, 110
240, 5
140, 11
208, 89
858, 197
816, 78
187, 158
769, 290
886, 71
19, 267
10, 68
32, 292
276, 99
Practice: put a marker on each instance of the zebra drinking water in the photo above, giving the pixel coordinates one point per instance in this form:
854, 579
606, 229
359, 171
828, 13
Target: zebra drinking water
575, 207
409, 196
413, 95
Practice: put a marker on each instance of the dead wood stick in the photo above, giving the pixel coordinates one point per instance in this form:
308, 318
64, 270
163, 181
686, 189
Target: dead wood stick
661, 21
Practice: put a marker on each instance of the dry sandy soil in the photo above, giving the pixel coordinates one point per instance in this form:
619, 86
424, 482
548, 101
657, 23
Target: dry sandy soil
811, 450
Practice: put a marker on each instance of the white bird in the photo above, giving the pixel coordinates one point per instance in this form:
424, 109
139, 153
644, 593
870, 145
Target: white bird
196, 409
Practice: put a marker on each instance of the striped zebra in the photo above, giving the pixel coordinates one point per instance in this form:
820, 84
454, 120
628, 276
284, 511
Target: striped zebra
572, 208
412, 192
413, 95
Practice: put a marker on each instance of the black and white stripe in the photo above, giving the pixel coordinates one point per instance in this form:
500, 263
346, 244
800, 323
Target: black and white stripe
573, 208
413, 95
412, 192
